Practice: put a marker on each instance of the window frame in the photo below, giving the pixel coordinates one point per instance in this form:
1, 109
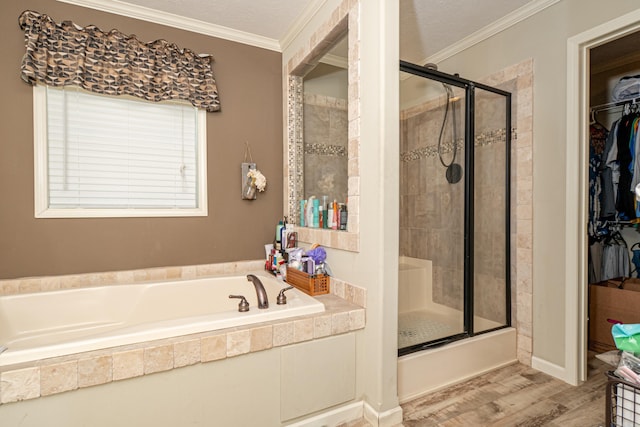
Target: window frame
41, 174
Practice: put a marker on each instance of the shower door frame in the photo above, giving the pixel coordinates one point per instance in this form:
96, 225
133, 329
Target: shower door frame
469, 193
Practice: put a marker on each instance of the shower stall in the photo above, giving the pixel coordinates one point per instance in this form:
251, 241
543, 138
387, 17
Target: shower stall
454, 266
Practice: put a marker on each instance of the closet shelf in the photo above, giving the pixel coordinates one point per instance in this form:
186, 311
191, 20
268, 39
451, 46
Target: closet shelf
610, 105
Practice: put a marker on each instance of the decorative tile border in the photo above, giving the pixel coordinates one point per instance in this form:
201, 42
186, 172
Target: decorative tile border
344, 312
325, 150
481, 140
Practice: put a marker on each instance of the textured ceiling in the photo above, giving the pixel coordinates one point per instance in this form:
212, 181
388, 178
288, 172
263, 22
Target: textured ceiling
266, 18
426, 26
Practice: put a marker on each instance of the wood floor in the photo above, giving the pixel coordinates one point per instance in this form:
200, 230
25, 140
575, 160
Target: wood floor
514, 396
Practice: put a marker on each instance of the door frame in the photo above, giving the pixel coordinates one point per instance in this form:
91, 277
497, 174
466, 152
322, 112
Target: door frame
576, 187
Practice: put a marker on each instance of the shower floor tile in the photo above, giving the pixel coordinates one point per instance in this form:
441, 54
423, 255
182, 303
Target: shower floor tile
416, 327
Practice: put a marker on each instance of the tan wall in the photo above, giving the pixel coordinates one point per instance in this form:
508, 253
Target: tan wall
543, 37
250, 88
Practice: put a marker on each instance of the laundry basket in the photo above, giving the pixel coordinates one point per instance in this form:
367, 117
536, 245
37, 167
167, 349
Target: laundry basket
623, 402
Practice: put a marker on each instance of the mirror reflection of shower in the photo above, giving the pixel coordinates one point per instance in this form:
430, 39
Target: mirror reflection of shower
453, 170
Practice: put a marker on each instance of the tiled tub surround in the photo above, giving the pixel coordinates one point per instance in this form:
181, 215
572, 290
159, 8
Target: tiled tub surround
344, 312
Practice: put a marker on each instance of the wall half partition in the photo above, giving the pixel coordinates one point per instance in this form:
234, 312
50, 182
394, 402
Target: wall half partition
454, 266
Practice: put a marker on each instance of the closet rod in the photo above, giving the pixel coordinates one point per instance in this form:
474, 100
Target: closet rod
611, 105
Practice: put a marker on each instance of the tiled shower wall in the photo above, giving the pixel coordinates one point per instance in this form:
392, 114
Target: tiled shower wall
432, 209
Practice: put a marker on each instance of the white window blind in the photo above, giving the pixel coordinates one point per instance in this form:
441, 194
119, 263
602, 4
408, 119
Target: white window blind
117, 156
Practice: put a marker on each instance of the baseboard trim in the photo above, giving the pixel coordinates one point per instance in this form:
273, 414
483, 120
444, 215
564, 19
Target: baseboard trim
390, 418
343, 414
549, 368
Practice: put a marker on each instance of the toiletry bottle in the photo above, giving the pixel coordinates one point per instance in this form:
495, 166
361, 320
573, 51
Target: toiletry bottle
335, 221
329, 221
302, 212
325, 210
316, 213
278, 244
343, 216
321, 215
283, 234
309, 215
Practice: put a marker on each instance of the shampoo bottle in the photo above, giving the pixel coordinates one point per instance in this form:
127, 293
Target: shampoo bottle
335, 221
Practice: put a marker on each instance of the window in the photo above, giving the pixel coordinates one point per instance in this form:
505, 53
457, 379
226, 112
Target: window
108, 156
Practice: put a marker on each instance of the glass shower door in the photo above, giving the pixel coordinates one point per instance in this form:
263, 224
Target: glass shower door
432, 203
453, 279
491, 202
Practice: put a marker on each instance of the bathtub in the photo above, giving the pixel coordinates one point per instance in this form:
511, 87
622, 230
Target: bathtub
57, 323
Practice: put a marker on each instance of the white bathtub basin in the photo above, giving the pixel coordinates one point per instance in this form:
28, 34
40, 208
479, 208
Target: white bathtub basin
50, 324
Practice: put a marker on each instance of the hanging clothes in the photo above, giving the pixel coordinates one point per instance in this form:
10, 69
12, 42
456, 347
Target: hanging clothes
609, 175
595, 262
625, 204
615, 258
597, 141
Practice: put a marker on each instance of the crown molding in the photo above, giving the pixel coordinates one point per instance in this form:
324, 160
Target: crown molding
181, 22
492, 29
300, 23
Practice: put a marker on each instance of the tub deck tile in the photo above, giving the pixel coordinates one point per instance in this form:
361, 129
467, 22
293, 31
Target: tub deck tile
58, 378
21, 384
303, 330
128, 364
95, 371
158, 359
186, 353
261, 338
238, 342
282, 334
213, 348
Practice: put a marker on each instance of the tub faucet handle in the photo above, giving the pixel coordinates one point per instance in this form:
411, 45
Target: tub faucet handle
243, 305
282, 298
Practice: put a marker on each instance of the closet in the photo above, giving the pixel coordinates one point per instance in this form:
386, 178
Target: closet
614, 160
614, 172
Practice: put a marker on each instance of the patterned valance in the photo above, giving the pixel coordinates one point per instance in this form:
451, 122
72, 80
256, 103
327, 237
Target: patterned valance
114, 63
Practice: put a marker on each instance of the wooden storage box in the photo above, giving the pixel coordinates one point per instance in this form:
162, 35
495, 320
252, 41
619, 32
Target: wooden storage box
313, 285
